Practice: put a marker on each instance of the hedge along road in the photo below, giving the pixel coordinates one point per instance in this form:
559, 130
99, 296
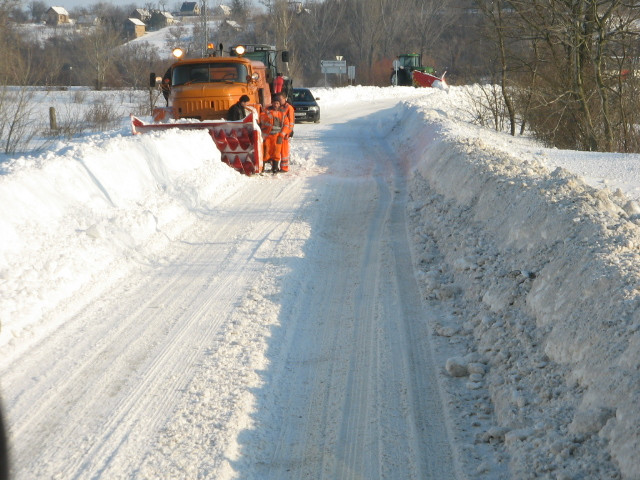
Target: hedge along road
282, 336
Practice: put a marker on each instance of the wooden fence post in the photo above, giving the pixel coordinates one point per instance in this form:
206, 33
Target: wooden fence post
53, 123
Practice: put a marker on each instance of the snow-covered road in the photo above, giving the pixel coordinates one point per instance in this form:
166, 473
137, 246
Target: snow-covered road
276, 337
417, 298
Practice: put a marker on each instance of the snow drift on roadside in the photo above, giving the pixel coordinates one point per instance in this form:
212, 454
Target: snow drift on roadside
559, 326
70, 214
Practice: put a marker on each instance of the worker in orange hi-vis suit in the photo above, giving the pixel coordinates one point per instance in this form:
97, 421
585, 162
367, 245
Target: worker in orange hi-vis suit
278, 83
287, 129
271, 121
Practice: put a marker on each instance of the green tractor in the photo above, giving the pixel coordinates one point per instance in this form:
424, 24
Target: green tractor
404, 66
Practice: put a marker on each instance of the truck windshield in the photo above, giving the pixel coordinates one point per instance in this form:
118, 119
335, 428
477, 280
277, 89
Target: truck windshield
209, 72
265, 56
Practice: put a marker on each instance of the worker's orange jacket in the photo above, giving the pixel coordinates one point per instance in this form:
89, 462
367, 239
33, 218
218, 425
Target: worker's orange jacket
271, 124
278, 83
287, 131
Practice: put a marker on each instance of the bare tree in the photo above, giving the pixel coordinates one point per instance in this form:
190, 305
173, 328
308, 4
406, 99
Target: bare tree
18, 120
240, 10
100, 51
317, 30
282, 17
135, 63
111, 16
17, 73
176, 35
37, 9
365, 29
580, 50
427, 20
494, 11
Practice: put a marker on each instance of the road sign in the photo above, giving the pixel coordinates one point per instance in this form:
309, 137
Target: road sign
333, 66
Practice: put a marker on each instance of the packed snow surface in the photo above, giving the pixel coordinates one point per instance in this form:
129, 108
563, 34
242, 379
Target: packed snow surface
418, 297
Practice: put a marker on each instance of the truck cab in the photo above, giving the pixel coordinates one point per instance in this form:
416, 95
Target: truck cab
205, 88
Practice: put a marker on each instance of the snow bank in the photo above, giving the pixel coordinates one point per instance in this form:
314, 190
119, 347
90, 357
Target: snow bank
559, 321
72, 213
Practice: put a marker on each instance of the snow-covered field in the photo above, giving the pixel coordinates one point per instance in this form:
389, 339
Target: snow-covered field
417, 298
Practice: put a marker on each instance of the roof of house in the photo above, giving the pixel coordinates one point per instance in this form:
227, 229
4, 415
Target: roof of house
137, 22
60, 10
188, 6
167, 15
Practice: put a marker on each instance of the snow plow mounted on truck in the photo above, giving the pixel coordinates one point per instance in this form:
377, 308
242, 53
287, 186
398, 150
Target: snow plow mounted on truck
199, 93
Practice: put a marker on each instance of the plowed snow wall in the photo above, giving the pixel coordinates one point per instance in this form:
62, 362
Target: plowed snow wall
582, 245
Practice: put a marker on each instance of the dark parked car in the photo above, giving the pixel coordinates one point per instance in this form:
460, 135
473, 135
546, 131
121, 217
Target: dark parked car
305, 105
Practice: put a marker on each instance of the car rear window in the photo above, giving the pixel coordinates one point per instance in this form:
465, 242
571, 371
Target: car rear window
302, 96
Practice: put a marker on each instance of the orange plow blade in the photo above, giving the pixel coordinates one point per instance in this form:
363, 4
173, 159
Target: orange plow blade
239, 142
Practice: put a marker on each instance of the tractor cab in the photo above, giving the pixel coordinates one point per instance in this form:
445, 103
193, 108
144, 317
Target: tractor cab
268, 55
410, 60
404, 66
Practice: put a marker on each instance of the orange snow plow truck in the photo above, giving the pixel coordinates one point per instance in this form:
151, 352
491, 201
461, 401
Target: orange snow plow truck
199, 93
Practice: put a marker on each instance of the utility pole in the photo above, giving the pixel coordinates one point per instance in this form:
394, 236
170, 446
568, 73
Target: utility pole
203, 14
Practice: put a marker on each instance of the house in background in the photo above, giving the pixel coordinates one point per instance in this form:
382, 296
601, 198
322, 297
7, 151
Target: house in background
141, 14
221, 12
160, 20
189, 9
134, 28
233, 25
57, 16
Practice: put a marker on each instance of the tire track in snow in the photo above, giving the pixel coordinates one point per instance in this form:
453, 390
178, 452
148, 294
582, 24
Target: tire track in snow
351, 391
424, 394
139, 365
225, 379
114, 366
362, 385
